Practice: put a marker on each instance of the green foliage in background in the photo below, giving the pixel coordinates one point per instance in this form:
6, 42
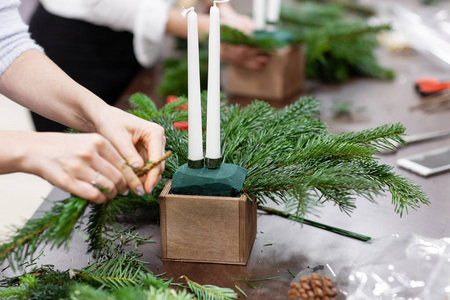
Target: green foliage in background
338, 43
337, 47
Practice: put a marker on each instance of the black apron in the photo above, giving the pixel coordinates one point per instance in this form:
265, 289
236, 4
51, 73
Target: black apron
97, 57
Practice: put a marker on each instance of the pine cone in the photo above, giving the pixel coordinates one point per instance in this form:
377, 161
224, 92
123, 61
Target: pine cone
316, 288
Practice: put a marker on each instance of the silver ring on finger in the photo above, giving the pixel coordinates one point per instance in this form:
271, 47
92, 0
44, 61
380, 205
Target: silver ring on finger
94, 180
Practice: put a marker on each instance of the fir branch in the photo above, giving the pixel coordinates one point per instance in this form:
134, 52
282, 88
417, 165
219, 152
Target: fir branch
174, 78
210, 292
27, 282
385, 137
54, 228
143, 106
337, 47
85, 292
119, 272
233, 36
352, 7
57, 225
307, 165
42, 283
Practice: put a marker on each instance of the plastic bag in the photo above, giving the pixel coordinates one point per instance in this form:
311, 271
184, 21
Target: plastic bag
323, 271
427, 29
411, 267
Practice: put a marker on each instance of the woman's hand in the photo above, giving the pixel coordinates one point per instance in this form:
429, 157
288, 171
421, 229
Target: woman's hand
243, 56
229, 17
135, 139
86, 165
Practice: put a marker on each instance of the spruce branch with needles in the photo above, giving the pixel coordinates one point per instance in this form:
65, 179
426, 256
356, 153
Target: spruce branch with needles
291, 158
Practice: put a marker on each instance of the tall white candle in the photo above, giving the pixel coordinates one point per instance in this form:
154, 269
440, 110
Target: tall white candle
273, 11
213, 110
194, 109
259, 16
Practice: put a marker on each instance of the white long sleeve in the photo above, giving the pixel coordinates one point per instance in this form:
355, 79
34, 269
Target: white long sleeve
146, 19
14, 36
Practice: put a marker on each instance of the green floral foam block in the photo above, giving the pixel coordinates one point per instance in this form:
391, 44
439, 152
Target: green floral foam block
227, 181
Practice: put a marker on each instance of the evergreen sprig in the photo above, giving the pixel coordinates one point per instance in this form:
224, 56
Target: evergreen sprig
291, 158
233, 36
351, 6
209, 292
307, 165
337, 47
27, 282
54, 228
86, 292
118, 275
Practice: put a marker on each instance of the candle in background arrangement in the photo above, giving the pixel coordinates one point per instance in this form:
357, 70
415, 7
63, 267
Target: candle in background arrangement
273, 14
213, 154
259, 16
195, 154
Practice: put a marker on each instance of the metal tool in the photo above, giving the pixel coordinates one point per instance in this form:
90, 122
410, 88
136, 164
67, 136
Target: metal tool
419, 138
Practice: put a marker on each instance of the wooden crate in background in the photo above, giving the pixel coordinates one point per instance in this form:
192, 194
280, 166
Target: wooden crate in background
280, 78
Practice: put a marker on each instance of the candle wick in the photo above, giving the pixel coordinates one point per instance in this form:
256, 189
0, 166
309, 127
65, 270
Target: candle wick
220, 1
185, 11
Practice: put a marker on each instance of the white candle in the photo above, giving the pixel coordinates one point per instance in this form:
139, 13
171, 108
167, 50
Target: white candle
273, 11
195, 135
213, 110
259, 16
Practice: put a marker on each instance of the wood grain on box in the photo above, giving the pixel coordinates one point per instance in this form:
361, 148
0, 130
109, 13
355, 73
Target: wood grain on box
206, 228
281, 77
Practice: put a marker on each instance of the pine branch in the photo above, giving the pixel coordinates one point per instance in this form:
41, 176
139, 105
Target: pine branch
119, 272
233, 36
84, 292
307, 164
210, 292
337, 47
57, 225
27, 282
291, 158
40, 283
352, 7
54, 228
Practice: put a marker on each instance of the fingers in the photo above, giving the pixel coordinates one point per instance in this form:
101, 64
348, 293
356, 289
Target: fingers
148, 138
122, 175
251, 58
241, 22
78, 186
155, 148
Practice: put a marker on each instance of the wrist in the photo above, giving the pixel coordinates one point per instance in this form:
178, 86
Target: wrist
14, 148
91, 112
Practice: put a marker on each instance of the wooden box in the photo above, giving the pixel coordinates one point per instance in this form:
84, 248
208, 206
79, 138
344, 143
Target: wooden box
208, 229
281, 77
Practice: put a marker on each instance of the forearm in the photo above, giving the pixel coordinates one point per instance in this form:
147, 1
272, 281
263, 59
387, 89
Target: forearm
35, 82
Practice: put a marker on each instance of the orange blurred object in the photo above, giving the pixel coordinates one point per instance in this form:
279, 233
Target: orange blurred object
428, 86
183, 125
173, 98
